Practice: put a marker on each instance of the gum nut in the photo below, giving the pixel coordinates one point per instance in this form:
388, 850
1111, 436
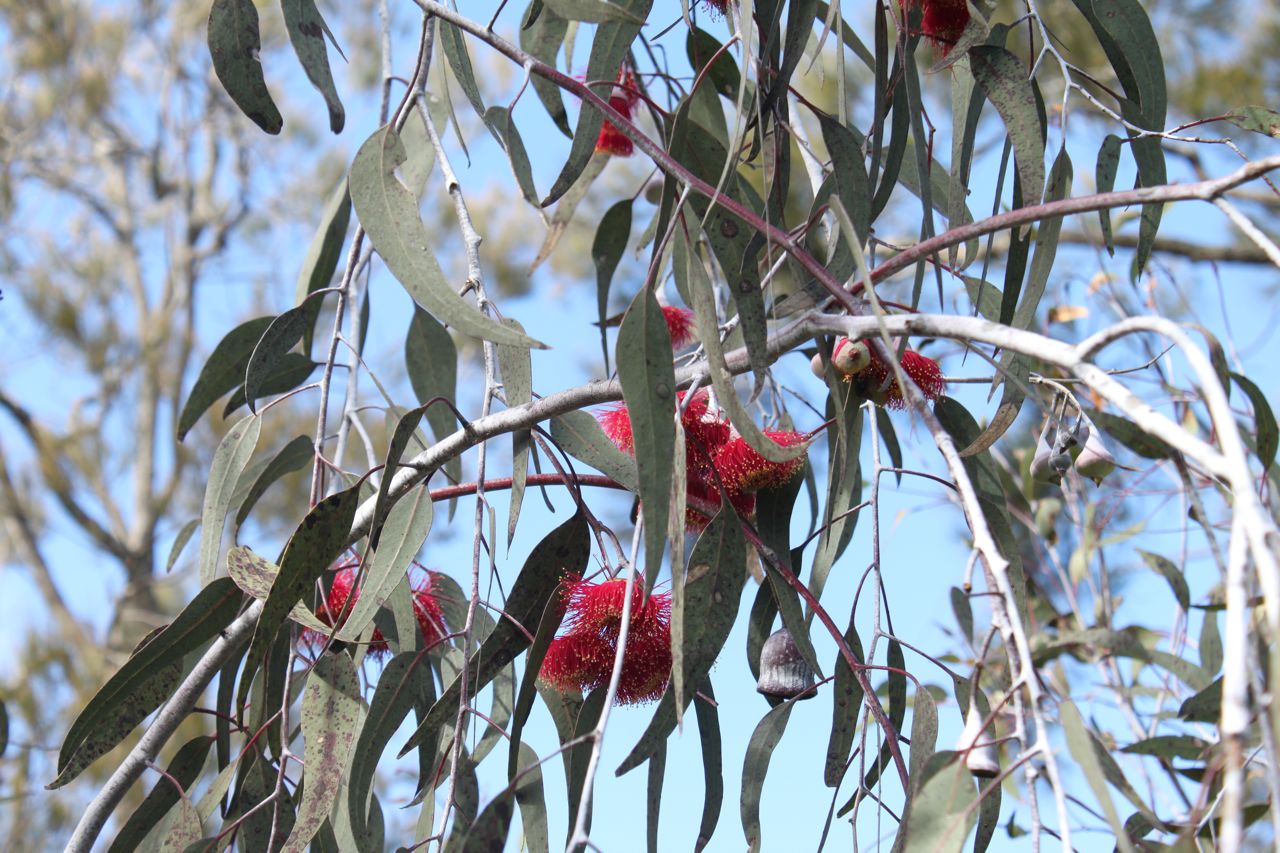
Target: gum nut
981, 757
653, 191
1041, 470
1095, 461
815, 364
783, 671
851, 357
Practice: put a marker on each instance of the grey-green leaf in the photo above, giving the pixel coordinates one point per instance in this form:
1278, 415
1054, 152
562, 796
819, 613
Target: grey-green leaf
331, 710
939, 815
1004, 80
284, 332
307, 31
580, 435
223, 371
234, 45
389, 213
292, 457
759, 750
229, 461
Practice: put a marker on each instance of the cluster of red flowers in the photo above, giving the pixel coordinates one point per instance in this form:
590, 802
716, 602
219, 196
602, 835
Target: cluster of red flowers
426, 610
582, 658
873, 377
942, 22
680, 325
718, 8
623, 98
714, 452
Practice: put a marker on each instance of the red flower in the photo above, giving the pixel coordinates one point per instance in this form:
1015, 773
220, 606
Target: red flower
582, 658
426, 610
623, 99
616, 423
744, 470
878, 383
942, 22
696, 520
717, 8
679, 324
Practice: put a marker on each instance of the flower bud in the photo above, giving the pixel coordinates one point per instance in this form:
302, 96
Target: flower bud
815, 365
851, 357
783, 670
980, 754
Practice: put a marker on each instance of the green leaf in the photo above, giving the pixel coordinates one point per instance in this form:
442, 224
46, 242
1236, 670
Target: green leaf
289, 372
649, 389
331, 711
1257, 119
565, 550
307, 31
576, 766
1080, 744
940, 815
1003, 78
608, 50
759, 750
1172, 575
499, 121
1210, 644
402, 537
516, 367
281, 336
988, 818
963, 612
234, 45
310, 551
1268, 435
321, 260
579, 434
606, 251
294, 456
700, 46
847, 695
1170, 747
657, 770
389, 213
1130, 435
712, 764
399, 686
182, 828
229, 460
431, 359
541, 38
986, 297
592, 11
223, 372
455, 50
1205, 706
924, 731
184, 769
180, 542
147, 679
1105, 176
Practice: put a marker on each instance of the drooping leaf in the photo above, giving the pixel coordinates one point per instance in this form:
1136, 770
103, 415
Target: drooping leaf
1081, 747
564, 550
592, 11
331, 712
1130, 435
180, 542
649, 388
455, 51
759, 750
1003, 77
223, 371
712, 764
1169, 747
1267, 434
289, 372
499, 121
307, 31
847, 695
653, 804
606, 251
1172, 575
281, 336
1210, 644
552, 616
402, 537
431, 359
399, 686
321, 260
234, 45
389, 213
1105, 177
541, 37
310, 551
939, 816
146, 680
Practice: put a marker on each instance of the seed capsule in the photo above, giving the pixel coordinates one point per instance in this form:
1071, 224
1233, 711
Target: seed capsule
783, 671
981, 757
